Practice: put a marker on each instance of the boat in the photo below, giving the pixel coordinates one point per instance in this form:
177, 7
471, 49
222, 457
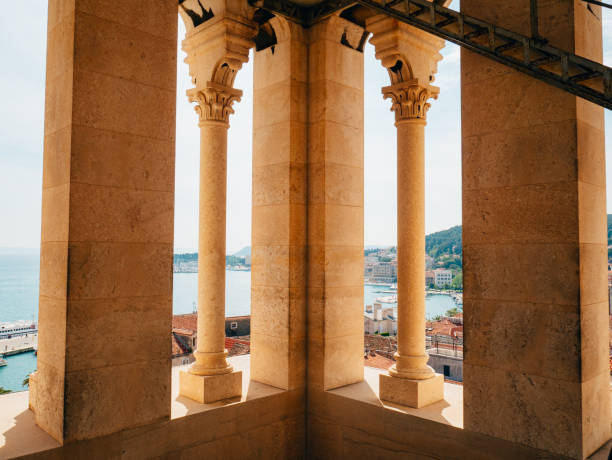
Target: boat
17, 328
387, 299
3, 362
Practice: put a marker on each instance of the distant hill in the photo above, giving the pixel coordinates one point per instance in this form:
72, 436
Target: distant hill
245, 251
446, 242
439, 244
189, 257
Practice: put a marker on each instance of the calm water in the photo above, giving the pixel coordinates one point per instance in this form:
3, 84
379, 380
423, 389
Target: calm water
19, 286
237, 293
19, 300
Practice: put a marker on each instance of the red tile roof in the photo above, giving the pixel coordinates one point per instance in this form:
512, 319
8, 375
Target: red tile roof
375, 360
444, 327
188, 321
186, 326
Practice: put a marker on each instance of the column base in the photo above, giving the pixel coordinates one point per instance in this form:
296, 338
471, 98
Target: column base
207, 389
411, 393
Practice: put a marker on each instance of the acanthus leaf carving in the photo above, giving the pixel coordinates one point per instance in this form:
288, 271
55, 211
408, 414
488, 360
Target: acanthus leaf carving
409, 99
214, 102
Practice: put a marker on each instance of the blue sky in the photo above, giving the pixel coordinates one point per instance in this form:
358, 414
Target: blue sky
22, 81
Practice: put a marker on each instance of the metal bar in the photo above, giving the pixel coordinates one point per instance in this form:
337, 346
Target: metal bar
595, 2
535, 51
446, 22
522, 65
533, 15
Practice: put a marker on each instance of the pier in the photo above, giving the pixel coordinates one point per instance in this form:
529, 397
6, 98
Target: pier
19, 344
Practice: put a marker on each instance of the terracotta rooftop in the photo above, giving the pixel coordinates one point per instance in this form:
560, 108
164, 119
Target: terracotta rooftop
377, 361
444, 327
188, 321
186, 325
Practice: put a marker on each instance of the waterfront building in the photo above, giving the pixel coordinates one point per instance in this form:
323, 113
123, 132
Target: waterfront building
532, 154
442, 277
383, 272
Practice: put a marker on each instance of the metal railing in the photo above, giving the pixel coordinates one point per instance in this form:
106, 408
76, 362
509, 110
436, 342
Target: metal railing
445, 345
532, 55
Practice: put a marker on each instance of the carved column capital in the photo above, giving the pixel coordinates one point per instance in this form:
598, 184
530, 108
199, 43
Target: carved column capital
214, 102
409, 99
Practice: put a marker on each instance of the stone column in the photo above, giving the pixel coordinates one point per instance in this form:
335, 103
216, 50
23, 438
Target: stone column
335, 205
411, 381
535, 244
107, 219
211, 377
215, 51
278, 265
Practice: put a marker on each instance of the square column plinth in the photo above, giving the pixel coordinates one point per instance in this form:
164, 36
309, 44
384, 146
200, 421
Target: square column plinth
207, 389
411, 393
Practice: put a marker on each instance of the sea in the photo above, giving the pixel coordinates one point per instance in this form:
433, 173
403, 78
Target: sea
19, 277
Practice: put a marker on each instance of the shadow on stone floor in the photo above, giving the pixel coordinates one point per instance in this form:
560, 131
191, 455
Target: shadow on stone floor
254, 390
20, 435
367, 391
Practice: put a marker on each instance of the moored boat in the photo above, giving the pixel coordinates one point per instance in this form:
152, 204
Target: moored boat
17, 328
387, 299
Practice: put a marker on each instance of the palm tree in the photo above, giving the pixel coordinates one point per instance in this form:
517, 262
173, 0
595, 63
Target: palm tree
4, 391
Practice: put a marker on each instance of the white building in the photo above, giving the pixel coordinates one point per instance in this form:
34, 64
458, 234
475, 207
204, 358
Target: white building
442, 277
379, 320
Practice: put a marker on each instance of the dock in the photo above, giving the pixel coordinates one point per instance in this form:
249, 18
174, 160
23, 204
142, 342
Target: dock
19, 344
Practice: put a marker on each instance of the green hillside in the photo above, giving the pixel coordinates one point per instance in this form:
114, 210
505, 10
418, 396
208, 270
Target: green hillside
190, 257
446, 242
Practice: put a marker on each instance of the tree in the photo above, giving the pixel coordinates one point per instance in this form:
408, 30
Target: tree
4, 391
452, 312
26, 381
458, 281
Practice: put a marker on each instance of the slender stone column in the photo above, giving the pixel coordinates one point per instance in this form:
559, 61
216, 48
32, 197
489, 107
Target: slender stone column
211, 378
411, 381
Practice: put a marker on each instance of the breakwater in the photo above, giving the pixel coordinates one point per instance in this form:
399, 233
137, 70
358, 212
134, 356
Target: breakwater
19, 344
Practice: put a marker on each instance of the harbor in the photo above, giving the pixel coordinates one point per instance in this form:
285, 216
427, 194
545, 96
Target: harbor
18, 345
18, 337
390, 291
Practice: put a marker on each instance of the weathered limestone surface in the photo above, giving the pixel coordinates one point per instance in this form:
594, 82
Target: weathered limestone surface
410, 57
216, 50
534, 246
534, 243
335, 205
278, 264
262, 428
341, 427
107, 218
